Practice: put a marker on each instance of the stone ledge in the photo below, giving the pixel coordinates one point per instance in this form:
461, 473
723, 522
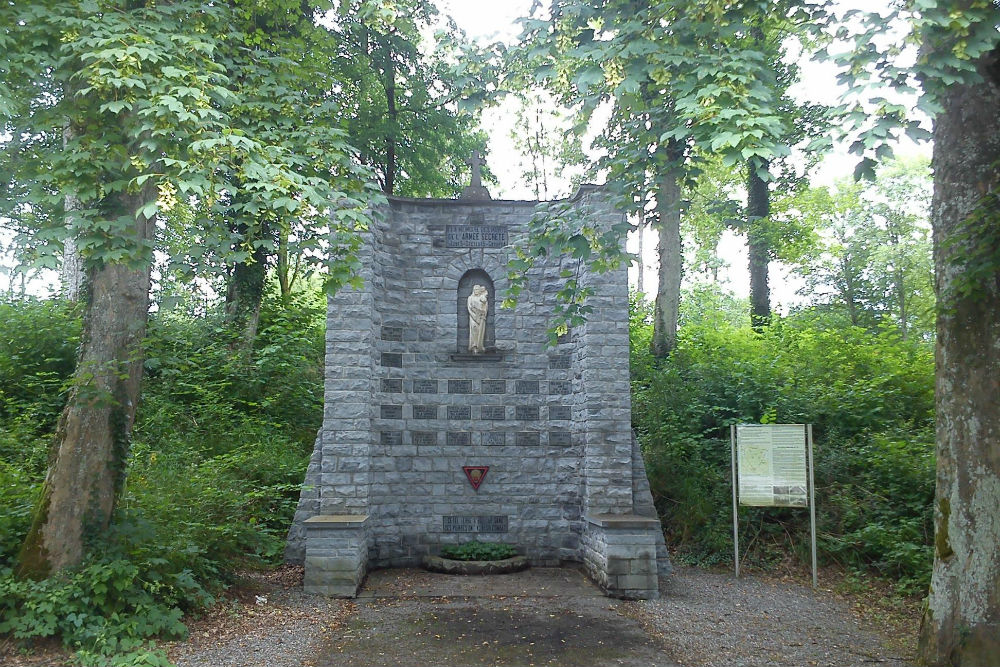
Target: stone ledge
336, 521
450, 566
623, 521
485, 357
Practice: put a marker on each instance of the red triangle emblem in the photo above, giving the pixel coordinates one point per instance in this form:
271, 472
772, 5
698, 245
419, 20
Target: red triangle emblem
476, 475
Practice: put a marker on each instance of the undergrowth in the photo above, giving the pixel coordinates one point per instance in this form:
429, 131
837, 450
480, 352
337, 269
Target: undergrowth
219, 450
870, 397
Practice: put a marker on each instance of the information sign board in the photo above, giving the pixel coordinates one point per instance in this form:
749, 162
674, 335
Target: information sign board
772, 465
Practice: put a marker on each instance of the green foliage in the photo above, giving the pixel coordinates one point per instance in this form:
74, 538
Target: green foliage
107, 610
123, 111
477, 550
411, 96
874, 265
870, 397
219, 452
201, 383
949, 38
566, 229
38, 341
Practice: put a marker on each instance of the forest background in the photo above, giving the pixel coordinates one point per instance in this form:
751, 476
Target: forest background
237, 230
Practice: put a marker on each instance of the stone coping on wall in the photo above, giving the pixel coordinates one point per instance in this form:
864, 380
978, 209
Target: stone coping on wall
337, 520
623, 521
483, 358
576, 196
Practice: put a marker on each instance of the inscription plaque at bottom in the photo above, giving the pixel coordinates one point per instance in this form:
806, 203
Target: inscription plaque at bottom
475, 524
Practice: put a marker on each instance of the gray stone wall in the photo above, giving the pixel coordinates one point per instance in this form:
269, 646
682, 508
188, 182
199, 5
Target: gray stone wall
407, 407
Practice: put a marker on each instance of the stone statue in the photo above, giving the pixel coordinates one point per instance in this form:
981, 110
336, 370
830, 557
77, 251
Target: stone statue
478, 304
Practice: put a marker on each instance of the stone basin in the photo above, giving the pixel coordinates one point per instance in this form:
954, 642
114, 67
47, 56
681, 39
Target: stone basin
452, 566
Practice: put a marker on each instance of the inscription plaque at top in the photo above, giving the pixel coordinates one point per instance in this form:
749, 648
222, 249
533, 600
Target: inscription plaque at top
475, 236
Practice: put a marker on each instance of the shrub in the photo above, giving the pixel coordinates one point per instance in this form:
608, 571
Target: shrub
476, 550
219, 451
870, 399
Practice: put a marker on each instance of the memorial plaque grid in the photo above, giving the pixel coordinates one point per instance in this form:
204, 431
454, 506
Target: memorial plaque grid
527, 439
394, 334
392, 385
459, 386
560, 412
459, 412
526, 387
560, 438
391, 438
494, 412
526, 412
494, 438
458, 439
560, 387
391, 411
494, 386
424, 438
475, 524
392, 359
425, 386
425, 412
559, 361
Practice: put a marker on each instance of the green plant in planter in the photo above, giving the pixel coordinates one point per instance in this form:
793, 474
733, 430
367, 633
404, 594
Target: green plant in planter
476, 550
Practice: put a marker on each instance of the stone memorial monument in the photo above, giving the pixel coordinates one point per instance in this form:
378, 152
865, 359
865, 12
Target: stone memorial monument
447, 418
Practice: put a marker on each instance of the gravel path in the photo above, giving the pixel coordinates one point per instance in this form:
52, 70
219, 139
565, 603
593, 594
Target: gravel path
553, 617
706, 618
547, 617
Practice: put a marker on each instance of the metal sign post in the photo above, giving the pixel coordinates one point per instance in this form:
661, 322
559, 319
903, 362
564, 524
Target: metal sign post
736, 522
812, 499
772, 466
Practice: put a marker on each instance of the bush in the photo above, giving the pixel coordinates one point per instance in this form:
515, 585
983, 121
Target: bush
870, 399
107, 608
220, 445
476, 550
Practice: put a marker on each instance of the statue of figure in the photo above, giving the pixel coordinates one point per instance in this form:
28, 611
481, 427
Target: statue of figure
478, 304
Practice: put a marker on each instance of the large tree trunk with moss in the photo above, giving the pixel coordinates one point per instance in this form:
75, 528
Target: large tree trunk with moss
758, 208
961, 625
92, 438
668, 291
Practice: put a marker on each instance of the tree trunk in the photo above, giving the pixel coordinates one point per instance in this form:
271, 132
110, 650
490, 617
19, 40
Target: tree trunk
849, 292
390, 138
286, 271
668, 292
898, 274
72, 275
961, 625
92, 438
641, 282
758, 208
900, 287
246, 284
244, 294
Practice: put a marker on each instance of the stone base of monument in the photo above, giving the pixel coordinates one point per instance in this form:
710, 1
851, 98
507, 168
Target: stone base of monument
619, 553
336, 554
452, 566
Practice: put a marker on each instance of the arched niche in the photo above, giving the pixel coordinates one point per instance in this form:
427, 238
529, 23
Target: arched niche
470, 279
